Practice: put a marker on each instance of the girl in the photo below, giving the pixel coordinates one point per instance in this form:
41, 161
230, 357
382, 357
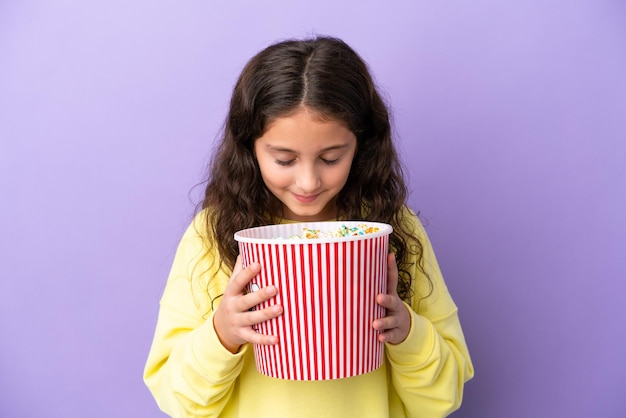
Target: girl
307, 138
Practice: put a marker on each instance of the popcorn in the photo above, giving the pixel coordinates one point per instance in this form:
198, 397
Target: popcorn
341, 231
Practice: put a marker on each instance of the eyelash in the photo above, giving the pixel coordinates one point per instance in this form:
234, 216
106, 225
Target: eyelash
289, 162
284, 163
330, 162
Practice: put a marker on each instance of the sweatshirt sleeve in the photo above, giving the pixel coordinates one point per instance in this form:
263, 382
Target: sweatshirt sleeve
188, 371
430, 367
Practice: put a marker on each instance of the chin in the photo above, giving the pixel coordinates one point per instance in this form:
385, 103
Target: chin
305, 215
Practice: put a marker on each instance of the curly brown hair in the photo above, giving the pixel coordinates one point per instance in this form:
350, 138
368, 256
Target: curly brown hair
327, 77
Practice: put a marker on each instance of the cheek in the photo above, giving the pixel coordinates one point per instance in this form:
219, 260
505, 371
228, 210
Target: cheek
277, 181
340, 177
272, 175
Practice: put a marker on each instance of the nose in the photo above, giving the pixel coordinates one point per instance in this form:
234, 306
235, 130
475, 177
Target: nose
307, 180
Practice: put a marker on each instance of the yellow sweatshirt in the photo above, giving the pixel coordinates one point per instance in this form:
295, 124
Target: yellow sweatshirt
190, 373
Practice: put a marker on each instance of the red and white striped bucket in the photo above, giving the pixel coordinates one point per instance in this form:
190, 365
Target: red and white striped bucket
328, 289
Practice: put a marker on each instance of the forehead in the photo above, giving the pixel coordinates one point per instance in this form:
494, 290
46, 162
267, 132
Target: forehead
306, 130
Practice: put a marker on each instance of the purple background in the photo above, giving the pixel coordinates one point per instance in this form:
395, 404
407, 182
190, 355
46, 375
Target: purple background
512, 122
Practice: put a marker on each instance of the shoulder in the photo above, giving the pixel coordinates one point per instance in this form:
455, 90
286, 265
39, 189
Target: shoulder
197, 250
198, 228
200, 260
411, 221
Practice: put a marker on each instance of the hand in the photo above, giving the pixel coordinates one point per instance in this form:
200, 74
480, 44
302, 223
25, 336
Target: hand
396, 325
233, 318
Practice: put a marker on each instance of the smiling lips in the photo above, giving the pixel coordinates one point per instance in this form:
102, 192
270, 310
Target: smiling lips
305, 199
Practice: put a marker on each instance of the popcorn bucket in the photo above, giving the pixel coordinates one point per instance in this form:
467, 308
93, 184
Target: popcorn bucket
327, 287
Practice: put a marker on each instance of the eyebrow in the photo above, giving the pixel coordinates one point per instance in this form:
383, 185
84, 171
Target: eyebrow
284, 149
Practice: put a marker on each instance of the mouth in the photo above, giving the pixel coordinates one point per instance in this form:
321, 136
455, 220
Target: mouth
305, 199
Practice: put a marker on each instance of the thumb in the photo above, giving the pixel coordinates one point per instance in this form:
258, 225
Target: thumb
392, 275
238, 267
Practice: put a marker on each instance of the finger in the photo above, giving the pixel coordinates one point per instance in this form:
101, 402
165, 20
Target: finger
389, 330
261, 315
386, 323
254, 337
391, 336
238, 266
392, 275
248, 330
253, 299
387, 301
239, 281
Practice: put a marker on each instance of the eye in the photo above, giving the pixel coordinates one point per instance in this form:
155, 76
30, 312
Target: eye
330, 162
284, 163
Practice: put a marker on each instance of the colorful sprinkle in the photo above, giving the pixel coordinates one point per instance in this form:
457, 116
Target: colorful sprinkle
342, 231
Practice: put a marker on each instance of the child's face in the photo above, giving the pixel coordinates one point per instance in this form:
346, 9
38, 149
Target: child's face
305, 162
